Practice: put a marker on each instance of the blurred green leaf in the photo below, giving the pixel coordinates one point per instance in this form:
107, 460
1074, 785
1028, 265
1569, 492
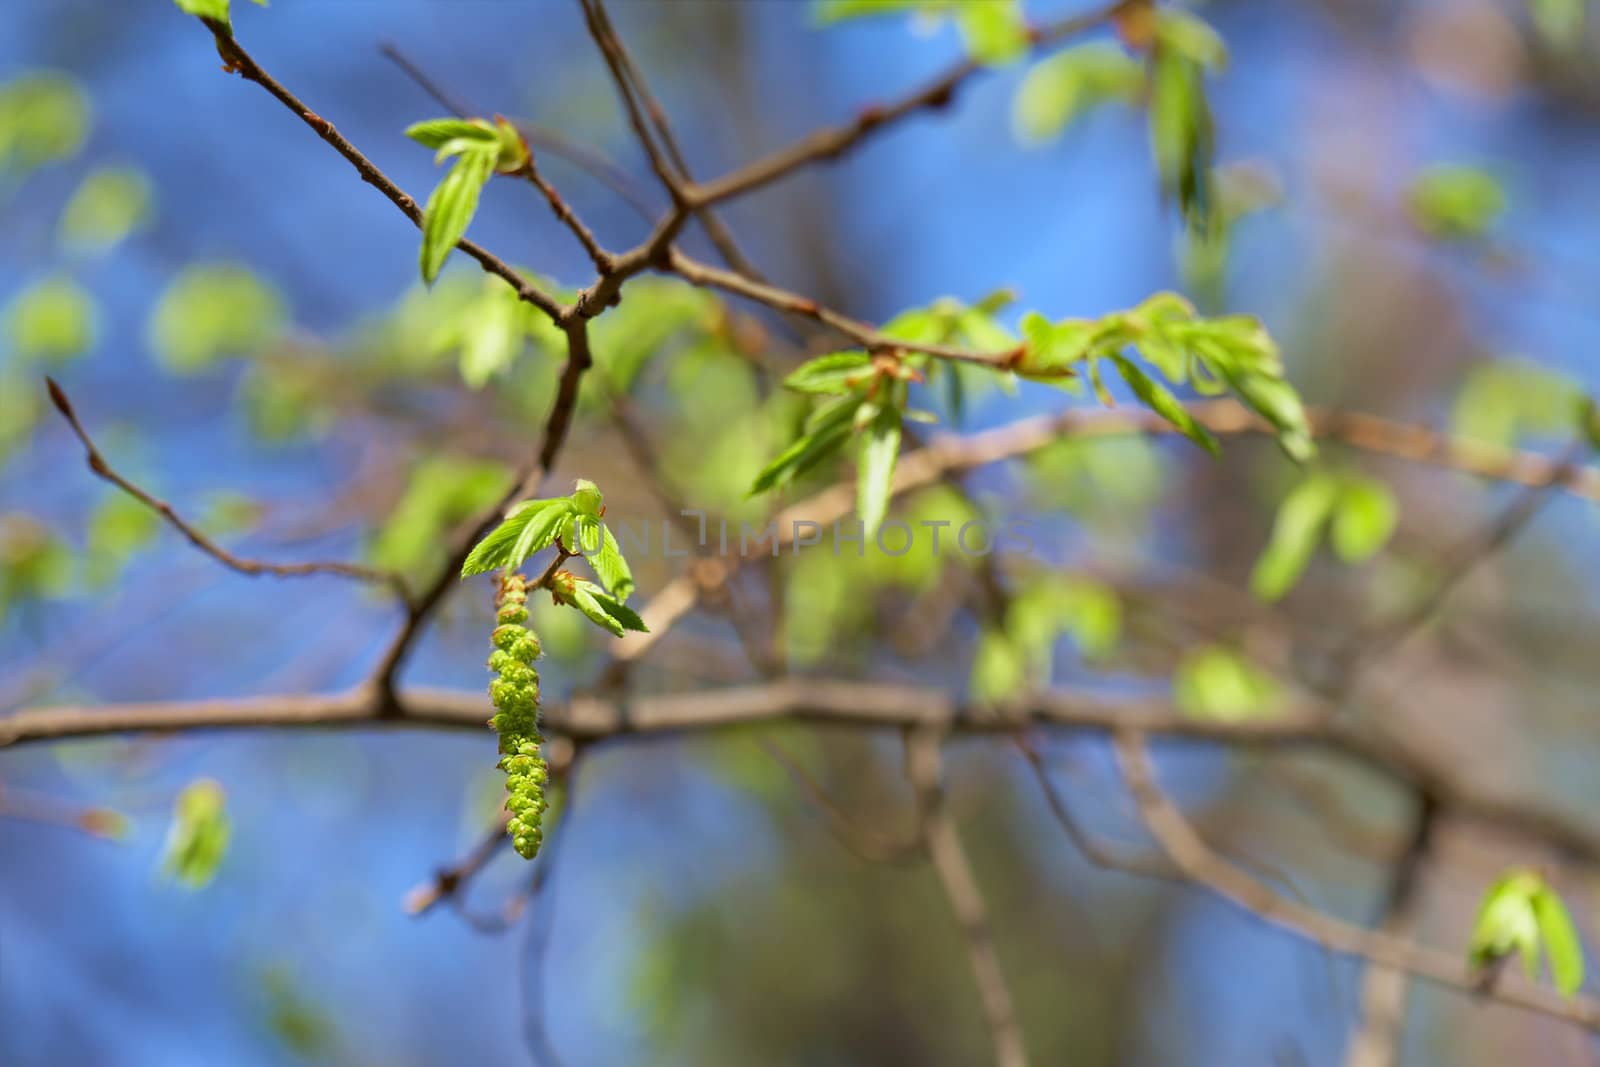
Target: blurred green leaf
995, 31
1219, 683
1302, 518
826, 432
442, 492
35, 564
119, 527
1455, 203
1364, 518
1159, 398
1502, 401
999, 670
199, 836
211, 311
109, 205
1559, 22
304, 1026
1060, 89
880, 447
51, 321
834, 373
44, 117
1562, 946
1507, 922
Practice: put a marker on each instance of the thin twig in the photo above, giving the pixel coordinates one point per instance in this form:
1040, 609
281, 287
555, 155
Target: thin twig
949, 860
240, 62
1201, 865
97, 463
831, 143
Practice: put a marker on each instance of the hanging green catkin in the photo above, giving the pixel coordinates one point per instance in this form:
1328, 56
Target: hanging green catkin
515, 694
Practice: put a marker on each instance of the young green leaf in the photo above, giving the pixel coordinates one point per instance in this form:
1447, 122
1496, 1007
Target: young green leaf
610, 566
1218, 683
1562, 946
453, 203
211, 9
110, 204
1159, 398
834, 373
1363, 520
198, 839
1453, 203
437, 133
995, 31
827, 430
626, 616
1507, 922
880, 447
1302, 517
529, 527
1059, 89
602, 610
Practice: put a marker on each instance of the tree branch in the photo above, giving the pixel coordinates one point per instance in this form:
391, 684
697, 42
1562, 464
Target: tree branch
1199, 864
97, 463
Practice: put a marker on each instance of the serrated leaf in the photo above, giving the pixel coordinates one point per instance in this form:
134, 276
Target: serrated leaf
626, 616
880, 447
529, 527
833, 373
1363, 520
1159, 398
1296, 533
610, 566
450, 208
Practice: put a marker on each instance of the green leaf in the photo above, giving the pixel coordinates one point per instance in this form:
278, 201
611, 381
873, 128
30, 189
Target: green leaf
610, 566
1296, 533
586, 498
1455, 203
995, 31
442, 492
214, 310
1060, 89
1559, 22
1562, 946
999, 671
529, 527
1051, 349
119, 527
451, 206
1182, 137
1218, 683
880, 447
828, 429
1507, 921
1502, 402
437, 133
44, 118
620, 612
1364, 519
51, 322
109, 205
198, 839
834, 373
209, 9
1192, 37
1159, 398
603, 610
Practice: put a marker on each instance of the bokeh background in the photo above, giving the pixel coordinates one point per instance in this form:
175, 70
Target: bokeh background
297, 396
